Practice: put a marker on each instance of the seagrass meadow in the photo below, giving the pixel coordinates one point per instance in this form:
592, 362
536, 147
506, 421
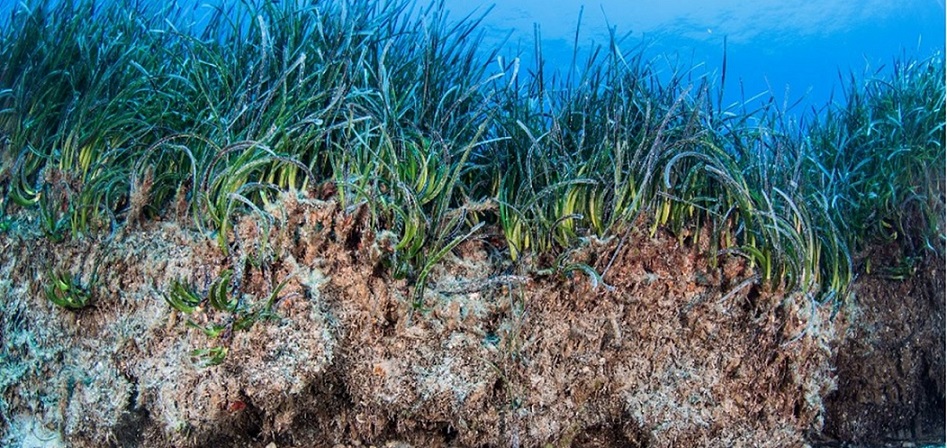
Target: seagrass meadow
346, 223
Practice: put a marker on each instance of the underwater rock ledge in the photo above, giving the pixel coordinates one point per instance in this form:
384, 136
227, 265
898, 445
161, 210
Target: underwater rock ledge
673, 352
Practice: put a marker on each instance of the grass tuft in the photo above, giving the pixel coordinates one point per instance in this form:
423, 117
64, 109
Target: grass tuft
67, 291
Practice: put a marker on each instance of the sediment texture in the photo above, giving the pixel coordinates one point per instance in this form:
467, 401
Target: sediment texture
669, 351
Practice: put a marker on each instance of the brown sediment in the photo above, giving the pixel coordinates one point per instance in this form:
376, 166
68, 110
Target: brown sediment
890, 363
669, 352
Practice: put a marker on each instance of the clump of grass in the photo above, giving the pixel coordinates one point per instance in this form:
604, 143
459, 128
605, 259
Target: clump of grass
237, 314
877, 162
67, 291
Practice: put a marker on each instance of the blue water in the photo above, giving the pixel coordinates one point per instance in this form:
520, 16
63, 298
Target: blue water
792, 49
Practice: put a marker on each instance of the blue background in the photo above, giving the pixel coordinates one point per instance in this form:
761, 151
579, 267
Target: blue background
793, 49
772, 45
